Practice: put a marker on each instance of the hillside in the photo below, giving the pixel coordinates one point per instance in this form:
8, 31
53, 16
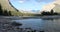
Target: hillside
7, 8
54, 5
6, 5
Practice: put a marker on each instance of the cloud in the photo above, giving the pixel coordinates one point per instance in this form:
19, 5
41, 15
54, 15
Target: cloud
21, 1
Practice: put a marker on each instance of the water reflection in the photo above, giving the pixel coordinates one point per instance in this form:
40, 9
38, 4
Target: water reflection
48, 25
50, 18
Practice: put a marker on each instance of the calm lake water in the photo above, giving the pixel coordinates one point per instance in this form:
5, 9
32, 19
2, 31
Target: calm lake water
47, 25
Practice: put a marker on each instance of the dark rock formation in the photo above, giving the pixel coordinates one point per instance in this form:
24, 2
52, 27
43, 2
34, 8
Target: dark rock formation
16, 24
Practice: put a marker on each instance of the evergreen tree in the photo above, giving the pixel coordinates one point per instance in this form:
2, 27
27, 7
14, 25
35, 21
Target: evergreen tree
52, 12
1, 11
5, 13
10, 13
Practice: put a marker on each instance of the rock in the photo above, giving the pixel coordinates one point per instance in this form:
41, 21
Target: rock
41, 31
16, 24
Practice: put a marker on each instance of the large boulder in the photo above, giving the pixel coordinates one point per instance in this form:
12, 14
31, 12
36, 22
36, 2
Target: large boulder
16, 24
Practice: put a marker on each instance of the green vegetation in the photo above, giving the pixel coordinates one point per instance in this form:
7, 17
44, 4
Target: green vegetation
49, 13
1, 12
4, 12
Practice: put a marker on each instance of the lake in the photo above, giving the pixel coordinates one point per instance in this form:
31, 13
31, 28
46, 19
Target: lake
47, 25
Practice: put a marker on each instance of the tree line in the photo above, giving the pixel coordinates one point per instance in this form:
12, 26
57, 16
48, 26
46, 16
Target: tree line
4, 12
49, 13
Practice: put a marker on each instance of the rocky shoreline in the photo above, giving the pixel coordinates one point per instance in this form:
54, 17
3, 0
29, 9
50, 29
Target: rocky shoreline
7, 25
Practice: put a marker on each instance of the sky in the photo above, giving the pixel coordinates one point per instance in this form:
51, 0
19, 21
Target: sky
29, 4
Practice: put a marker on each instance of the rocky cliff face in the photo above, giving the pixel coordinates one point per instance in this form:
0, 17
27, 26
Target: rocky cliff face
54, 5
57, 6
6, 5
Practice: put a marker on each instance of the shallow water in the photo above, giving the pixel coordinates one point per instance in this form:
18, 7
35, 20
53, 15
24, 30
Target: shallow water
47, 25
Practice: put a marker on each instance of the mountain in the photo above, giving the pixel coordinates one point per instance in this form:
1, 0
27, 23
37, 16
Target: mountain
6, 5
54, 5
57, 7
48, 7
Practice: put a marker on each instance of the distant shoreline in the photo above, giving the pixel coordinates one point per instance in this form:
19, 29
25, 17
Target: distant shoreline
29, 17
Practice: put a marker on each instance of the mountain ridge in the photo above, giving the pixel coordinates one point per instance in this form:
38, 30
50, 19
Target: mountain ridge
53, 5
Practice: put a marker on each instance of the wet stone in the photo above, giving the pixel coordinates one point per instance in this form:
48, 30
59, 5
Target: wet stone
16, 24
41, 31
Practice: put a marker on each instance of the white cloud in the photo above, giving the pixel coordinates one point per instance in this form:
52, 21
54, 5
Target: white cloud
21, 1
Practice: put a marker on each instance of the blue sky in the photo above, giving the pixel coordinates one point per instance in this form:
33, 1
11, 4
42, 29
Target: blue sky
29, 4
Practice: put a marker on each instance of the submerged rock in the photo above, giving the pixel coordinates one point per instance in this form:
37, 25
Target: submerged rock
16, 24
41, 31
